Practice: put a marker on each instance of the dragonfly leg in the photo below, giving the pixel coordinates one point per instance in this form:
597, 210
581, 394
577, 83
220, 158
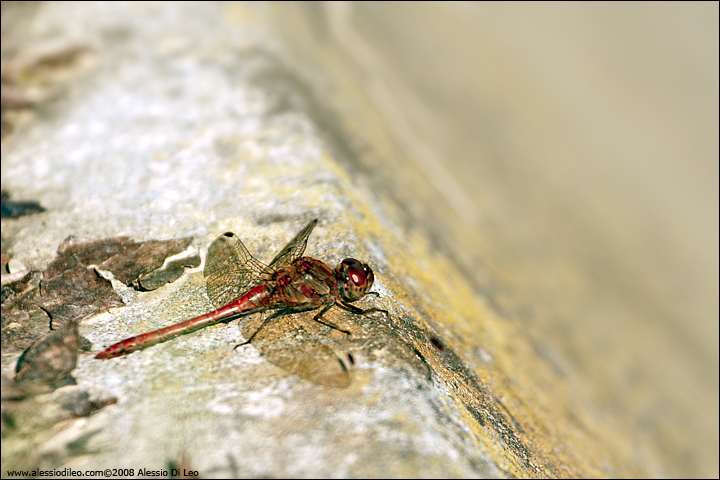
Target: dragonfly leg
284, 311
360, 311
318, 318
276, 314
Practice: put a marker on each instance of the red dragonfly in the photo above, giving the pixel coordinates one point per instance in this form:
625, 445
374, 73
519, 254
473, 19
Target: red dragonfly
240, 285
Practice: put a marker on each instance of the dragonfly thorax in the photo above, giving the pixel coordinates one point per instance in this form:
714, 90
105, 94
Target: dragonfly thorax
355, 279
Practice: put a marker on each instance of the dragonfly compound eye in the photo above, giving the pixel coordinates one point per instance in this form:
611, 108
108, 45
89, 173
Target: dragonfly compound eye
356, 279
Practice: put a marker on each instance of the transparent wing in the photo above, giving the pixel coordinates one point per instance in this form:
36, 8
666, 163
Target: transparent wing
293, 343
292, 250
230, 270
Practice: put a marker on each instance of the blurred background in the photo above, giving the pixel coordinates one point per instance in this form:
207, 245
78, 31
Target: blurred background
563, 155
573, 148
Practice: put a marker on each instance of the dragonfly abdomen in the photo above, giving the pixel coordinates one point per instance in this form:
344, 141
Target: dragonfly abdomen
252, 300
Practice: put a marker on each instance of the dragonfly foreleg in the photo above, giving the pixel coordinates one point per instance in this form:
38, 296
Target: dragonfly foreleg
318, 318
276, 314
360, 311
283, 311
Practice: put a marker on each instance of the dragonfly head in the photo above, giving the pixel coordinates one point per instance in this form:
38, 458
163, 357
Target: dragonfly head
355, 279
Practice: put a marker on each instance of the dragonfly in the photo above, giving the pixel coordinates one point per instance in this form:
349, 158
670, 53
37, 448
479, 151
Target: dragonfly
238, 285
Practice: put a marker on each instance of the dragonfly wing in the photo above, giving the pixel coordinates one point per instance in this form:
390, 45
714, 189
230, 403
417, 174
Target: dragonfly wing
230, 270
294, 249
294, 345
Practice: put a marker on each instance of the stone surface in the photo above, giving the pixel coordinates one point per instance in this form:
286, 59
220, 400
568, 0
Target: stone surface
190, 120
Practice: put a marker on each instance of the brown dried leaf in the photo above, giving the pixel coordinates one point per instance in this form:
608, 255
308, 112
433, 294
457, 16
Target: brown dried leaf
74, 251
23, 284
169, 273
50, 359
23, 321
71, 289
142, 258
